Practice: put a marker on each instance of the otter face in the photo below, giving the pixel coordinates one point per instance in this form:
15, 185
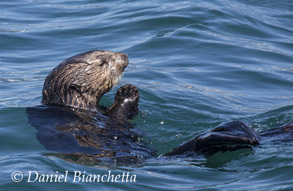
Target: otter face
81, 80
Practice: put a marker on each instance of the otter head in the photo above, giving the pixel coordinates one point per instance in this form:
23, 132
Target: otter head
81, 80
125, 105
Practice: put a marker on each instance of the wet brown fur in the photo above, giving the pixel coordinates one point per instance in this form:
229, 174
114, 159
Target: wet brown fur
81, 80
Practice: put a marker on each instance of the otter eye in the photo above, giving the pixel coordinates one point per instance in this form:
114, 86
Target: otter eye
74, 87
103, 62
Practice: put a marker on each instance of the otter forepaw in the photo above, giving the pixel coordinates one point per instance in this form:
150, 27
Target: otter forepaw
126, 103
128, 91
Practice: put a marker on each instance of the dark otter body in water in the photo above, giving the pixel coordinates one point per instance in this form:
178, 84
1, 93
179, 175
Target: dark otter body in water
73, 123
230, 136
82, 135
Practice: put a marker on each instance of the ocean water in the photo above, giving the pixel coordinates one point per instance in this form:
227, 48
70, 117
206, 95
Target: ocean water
196, 64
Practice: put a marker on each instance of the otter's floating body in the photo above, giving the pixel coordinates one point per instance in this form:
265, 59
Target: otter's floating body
83, 133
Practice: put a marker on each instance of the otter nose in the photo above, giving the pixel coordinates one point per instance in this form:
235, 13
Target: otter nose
124, 59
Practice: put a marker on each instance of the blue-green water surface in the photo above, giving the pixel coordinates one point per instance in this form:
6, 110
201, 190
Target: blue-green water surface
196, 64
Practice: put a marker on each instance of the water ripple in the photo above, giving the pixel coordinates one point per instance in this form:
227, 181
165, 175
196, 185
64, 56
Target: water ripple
196, 64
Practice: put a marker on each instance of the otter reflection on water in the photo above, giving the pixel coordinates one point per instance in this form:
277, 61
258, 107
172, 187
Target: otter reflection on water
72, 123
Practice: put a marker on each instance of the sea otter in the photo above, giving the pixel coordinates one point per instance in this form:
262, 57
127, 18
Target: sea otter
72, 122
